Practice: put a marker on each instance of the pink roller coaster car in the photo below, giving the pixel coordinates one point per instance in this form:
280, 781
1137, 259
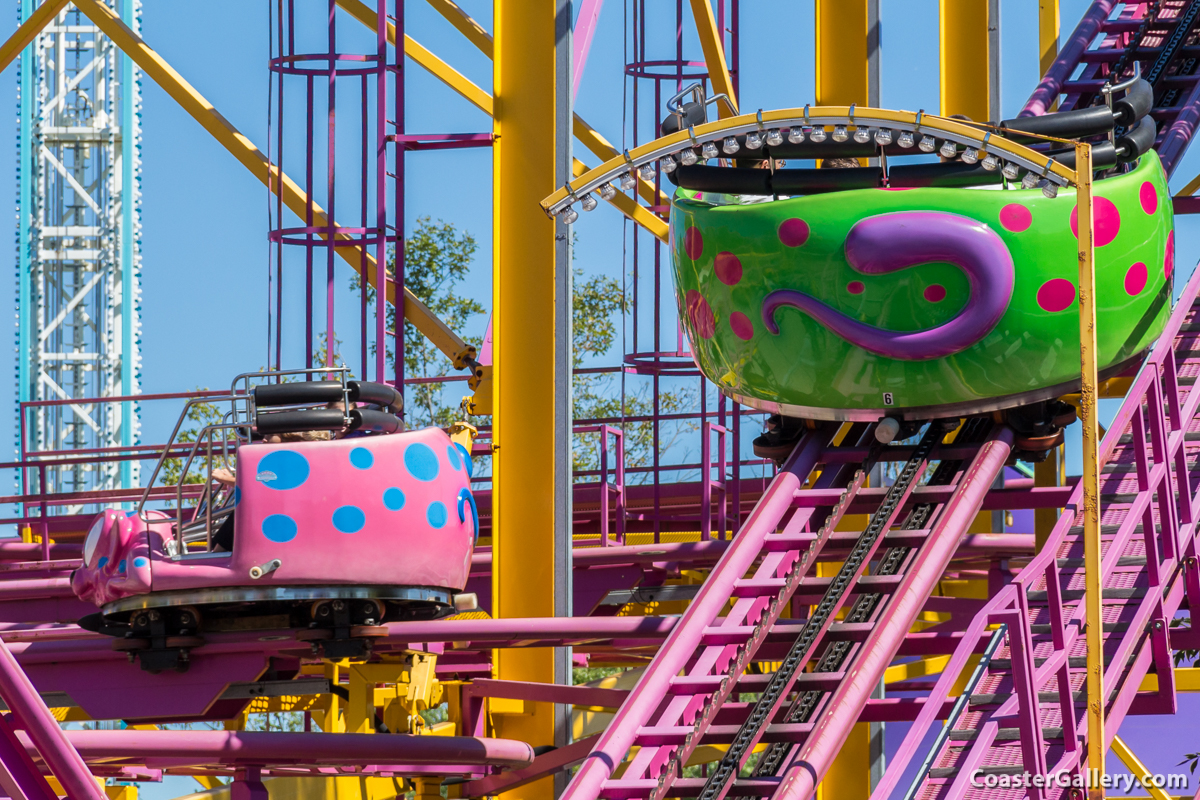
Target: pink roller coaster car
337, 521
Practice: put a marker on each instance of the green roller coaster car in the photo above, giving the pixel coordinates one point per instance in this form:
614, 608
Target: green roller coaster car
916, 303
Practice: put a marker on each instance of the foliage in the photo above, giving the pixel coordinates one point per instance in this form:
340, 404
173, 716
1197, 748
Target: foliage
595, 303
582, 675
200, 415
288, 721
437, 260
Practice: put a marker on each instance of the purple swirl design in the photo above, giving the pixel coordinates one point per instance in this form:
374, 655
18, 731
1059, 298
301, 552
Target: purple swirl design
891, 242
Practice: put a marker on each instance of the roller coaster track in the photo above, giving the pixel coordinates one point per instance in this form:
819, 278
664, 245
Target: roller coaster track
1028, 711
1162, 36
690, 694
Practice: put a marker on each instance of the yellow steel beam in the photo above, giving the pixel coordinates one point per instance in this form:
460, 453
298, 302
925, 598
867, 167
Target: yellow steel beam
28, 30
963, 31
1137, 769
465, 24
712, 42
588, 136
1091, 466
1187, 679
841, 52
1048, 21
930, 665
440, 69
523, 337
254, 160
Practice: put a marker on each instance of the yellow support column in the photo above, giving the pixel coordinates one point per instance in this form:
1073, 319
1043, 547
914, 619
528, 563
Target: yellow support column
1046, 473
523, 337
1047, 33
1097, 747
842, 75
965, 59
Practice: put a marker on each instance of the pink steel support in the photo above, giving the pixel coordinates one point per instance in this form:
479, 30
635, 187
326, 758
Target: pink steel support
1047, 92
581, 42
838, 717
52, 744
19, 776
686, 636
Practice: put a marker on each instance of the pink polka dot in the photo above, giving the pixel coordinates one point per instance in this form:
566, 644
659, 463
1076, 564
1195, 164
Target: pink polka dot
1107, 218
1169, 259
693, 243
728, 269
1135, 279
935, 293
1149, 197
1015, 217
855, 287
1056, 294
793, 232
700, 314
743, 328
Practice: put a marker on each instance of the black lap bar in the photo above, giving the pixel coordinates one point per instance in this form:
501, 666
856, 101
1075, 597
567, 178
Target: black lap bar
368, 419
299, 393
377, 394
309, 419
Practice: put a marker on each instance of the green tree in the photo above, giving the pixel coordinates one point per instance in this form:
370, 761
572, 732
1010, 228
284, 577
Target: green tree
437, 261
200, 415
595, 305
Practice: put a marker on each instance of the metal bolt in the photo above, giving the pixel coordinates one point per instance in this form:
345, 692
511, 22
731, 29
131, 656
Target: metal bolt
155, 616
339, 605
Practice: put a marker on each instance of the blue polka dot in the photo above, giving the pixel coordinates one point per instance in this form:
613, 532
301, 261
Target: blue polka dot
121, 567
349, 519
361, 458
421, 462
393, 499
237, 495
436, 514
140, 562
130, 514
279, 528
282, 470
453, 457
103, 560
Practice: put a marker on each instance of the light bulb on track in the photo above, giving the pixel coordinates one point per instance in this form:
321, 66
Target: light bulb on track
1029, 181
1050, 189
668, 164
970, 155
991, 163
588, 203
754, 140
730, 145
647, 171
906, 139
627, 181
928, 144
883, 137
1011, 171
796, 135
607, 191
774, 137
818, 134
688, 157
709, 150
948, 150
840, 134
569, 215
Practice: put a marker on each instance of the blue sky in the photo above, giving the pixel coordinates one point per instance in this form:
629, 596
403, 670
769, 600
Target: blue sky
205, 253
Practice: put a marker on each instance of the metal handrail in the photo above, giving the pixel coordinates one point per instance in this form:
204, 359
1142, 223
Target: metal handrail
959, 705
